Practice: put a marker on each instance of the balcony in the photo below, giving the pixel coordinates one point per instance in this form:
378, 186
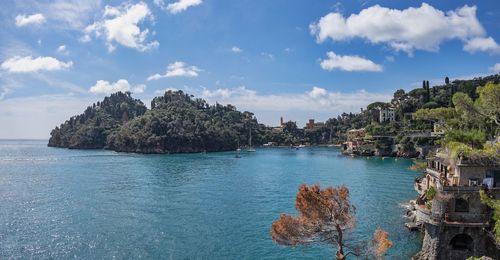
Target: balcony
465, 217
434, 173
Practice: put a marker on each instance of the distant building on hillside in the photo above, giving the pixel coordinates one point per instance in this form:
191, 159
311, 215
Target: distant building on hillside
386, 115
279, 129
313, 125
355, 143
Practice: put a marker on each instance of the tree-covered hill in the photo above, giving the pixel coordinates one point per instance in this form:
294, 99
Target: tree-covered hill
176, 123
91, 129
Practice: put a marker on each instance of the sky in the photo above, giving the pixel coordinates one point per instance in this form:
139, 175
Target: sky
298, 59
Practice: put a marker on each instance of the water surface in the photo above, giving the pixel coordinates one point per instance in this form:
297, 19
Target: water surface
59, 203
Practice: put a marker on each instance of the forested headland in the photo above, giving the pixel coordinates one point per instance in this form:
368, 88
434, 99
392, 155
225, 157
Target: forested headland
178, 122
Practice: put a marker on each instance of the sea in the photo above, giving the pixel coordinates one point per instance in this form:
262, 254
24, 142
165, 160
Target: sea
96, 204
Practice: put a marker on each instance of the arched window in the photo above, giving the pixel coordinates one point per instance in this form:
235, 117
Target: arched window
462, 242
461, 205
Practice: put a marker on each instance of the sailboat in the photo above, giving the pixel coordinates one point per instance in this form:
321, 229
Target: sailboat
250, 147
238, 150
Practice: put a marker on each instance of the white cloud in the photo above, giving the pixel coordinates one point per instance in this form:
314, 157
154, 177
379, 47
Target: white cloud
495, 68
225, 93
34, 117
105, 87
69, 14
486, 44
318, 92
35, 19
177, 69
63, 50
421, 28
318, 102
236, 49
3, 92
18, 64
177, 7
317, 99
348, 63
121, 25
267, 55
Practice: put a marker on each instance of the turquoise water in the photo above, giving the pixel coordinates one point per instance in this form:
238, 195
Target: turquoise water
58, 203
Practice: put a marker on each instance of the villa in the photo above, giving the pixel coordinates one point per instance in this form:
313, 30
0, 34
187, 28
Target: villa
449, 210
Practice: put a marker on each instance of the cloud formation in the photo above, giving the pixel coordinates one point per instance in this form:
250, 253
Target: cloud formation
105, 87
34, 19
414, 28
121, 25
177, 7
27, 64
495, 68
348, 63
177, 69
486, 44
63, 50
68, 14
316, 100
236, 49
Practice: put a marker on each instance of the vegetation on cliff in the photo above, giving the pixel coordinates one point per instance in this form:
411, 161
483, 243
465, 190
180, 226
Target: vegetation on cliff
469, 125
495, 205
175, 123
178, 123
92, 128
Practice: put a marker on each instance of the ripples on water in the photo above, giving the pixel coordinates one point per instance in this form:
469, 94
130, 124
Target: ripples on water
58, 203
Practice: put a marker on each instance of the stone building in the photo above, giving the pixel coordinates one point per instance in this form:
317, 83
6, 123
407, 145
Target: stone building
455, 223
313, 125
357, 144
386, 114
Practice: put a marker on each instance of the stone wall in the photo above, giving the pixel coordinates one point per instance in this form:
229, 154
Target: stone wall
447, 242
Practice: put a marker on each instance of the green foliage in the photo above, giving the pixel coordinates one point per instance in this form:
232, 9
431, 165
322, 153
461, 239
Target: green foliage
407, 145
375, 129
428, 205
488, 155
92, 128
474, 138
488, 103
434, 114
430, 193
495, 205
178, 123
430, 104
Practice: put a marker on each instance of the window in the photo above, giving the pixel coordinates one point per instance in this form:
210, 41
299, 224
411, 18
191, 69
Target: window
473, 182
461, 205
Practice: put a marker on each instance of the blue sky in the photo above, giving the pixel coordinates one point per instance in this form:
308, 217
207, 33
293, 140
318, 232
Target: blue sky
297, 59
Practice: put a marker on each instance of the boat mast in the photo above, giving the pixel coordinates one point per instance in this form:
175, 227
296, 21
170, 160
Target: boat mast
250, 136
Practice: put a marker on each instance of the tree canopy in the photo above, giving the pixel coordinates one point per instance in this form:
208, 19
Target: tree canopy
325, 216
